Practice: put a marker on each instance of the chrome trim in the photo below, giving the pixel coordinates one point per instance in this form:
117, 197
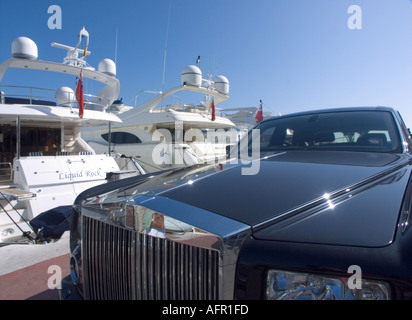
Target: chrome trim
214, 223
129, 265
121, 261
231, 233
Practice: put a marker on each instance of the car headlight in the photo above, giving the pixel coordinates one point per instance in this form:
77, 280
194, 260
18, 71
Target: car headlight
284, 285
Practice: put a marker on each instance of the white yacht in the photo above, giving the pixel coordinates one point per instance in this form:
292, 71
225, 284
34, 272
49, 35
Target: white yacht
44, 162
164, 136
246, 118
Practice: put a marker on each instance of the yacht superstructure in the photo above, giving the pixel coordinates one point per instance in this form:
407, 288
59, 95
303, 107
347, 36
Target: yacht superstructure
173, 135
44, 162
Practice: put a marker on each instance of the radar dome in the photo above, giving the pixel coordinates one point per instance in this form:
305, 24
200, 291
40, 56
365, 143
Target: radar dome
24, 48
192, 75
65, 96
221, 84
108, 67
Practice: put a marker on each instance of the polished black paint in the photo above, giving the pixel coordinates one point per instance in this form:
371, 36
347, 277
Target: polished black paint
283, 183
391, 263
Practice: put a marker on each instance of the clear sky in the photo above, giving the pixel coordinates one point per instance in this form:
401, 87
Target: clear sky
295, 55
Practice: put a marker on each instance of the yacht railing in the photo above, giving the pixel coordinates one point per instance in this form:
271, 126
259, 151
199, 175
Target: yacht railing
35, 95
134, 99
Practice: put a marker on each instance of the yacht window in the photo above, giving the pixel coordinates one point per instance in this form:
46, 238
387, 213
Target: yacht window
33, 140
121, 138
45, 141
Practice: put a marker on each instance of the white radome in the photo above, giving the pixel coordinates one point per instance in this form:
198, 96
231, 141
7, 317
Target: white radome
221, 84
192, 75
108, 67
65, 96
24, 48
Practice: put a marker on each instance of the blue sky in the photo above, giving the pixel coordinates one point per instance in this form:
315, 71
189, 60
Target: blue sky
295, 55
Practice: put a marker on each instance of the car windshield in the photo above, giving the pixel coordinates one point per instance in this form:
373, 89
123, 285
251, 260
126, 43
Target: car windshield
368, 131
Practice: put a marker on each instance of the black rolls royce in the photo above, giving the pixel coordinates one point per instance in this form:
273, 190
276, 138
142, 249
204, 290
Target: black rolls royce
313, 205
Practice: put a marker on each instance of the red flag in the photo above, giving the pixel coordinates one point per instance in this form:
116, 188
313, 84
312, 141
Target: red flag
79, 94
259, 114
213, 110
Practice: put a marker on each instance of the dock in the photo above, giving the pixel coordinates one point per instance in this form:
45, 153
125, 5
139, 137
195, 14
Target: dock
33, 271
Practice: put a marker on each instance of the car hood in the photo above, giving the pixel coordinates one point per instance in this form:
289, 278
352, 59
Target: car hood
347, 198
322, 197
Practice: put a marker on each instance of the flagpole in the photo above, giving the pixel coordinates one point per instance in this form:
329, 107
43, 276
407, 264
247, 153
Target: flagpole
259, 114
79, 87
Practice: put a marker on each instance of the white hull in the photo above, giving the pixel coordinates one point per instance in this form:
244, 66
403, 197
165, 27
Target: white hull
168, 137
154, 156
53, 181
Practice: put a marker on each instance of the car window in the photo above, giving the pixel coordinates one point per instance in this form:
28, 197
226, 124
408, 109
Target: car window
371, 131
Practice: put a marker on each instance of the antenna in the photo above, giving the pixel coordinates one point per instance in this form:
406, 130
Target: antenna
72, 57
83, 34
115, 49
164, 58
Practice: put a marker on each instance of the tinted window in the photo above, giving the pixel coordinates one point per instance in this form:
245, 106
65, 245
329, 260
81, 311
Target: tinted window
121, 138
348, 131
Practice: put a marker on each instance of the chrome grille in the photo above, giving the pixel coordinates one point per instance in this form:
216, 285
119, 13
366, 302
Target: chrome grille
119, 263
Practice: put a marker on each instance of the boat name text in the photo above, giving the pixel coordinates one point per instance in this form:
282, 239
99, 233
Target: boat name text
80, 174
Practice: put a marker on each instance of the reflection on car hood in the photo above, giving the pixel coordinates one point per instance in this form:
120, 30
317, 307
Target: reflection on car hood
362, 189
283, 182
369, 186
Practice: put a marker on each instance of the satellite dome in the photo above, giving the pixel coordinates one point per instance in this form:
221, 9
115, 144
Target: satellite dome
221, 84
192, 75
24, 48
65, 96
108, 67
